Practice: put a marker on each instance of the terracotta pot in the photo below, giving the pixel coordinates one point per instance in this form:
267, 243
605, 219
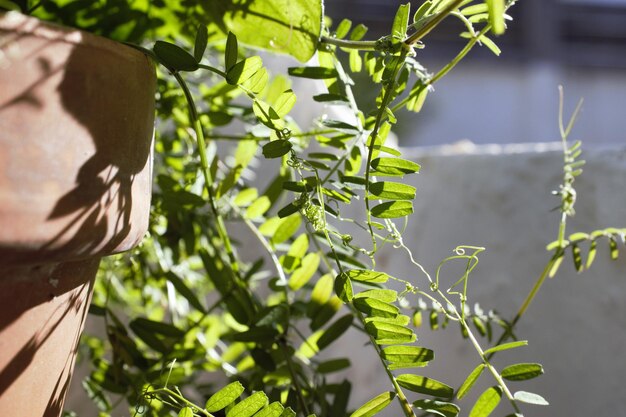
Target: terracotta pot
76, 126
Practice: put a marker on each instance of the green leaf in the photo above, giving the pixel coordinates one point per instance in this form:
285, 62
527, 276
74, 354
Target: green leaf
335, 331
374, 307
530, 398
333, 365
320, 295
401, 21
522, 371
288, 412
470, 381
506, 346
392, 209
249, 406
174, 57
330, 98
391, 191
276, 148
389, 333
303, 274
258, 207
158, 327
274, 409
343, 28
400, 319
9, 5
438, 408
287, 228
202, 37
417, 97
395, 167
284, 103
343, 287
182, 288
231, 52
406, 355
593, 249
375, 405
224, 397
340, 126
371, 277
245, 197
424, 385
487, 402
315, 73
185, 412
243, 70
358, 32
496, 15
356, 63
388, 296
281, 26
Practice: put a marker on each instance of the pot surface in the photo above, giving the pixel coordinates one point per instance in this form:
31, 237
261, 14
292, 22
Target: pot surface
76, 127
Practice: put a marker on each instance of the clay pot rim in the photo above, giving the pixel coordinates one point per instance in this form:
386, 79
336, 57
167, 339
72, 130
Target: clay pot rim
18, 23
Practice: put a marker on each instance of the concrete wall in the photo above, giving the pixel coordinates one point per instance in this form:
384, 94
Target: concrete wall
499, 197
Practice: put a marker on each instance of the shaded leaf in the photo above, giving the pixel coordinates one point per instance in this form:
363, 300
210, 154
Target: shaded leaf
522, 371
394, 166
387, 190
530, 398
335, 331
276, 148
506, 346
202, 36
174, 57
343, 287
232, 51
243, 70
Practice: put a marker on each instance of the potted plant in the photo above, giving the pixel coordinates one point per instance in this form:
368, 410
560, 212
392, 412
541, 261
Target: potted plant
258, 309
76, 121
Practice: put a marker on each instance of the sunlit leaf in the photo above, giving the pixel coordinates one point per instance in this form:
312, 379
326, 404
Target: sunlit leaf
374, 405
274, 409
394, 166
343, 287
374, 307
387, 190
249, 406
438, 408
522, 371
304, 272
392, 209
424, 385
367, 276
470, 381
243, 70
224, 397
401, 21
280, 26
487, 402
388, 296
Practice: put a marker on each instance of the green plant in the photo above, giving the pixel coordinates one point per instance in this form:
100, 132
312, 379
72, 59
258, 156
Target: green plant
186, 304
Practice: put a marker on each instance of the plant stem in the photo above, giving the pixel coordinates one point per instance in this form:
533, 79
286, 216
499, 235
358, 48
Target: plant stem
208, 180
432, 23
344, 43
181, 399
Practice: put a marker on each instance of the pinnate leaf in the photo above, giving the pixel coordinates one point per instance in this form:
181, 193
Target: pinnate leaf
424, 385
224, 397
522, 371
374, 405
487, 402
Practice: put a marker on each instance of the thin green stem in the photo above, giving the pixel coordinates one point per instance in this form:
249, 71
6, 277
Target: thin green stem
179, 398
349, 44
208, 180
387, 96
213, 69
431, 23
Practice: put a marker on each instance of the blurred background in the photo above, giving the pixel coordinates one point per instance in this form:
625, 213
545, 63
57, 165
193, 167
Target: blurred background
580, 44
